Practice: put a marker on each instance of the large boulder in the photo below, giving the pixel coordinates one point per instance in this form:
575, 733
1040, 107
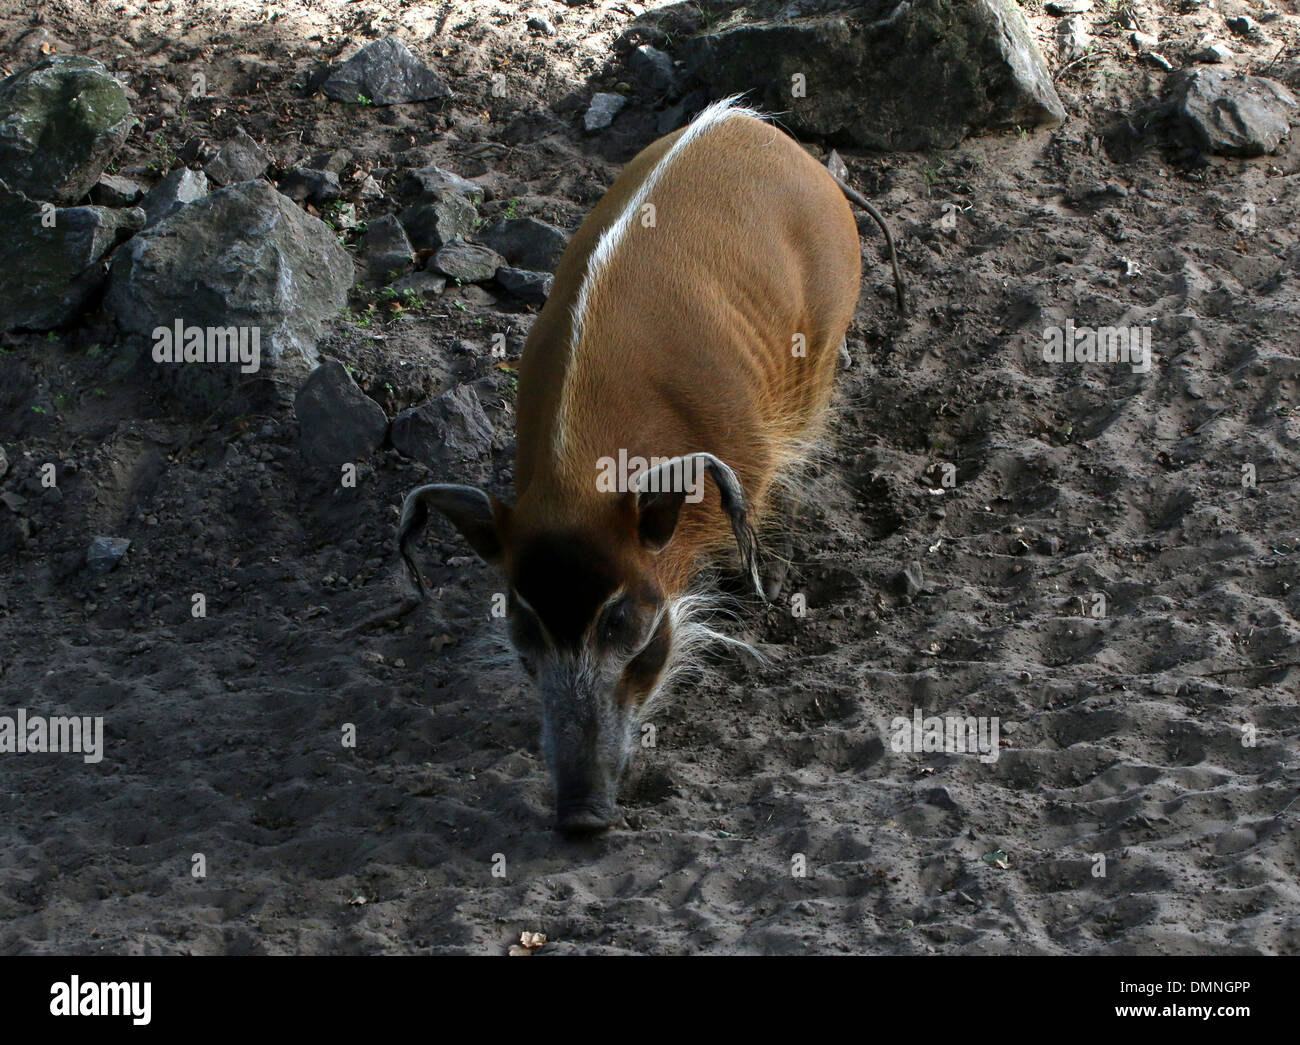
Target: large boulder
882, 74
384, 73
245, 258
55, 253
61, 121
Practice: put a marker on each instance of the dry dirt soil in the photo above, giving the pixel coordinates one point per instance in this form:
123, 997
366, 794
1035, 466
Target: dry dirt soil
1161, 735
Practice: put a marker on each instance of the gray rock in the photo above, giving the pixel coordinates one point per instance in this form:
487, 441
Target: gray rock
882, 74
1243, 25
61, 121
1231, 114
244, 256
112, 191
343, 216
600, 114
435, 224
239, 159
1073, 37
384, 73
1067, 7
532, 287
425, 285
105, 552
434, 183
173, 192
541, 25
1143, 41
1215, 54
671, 118
653, 68
468, 262
386, 247
335, 160
526, 243
911, 580
57, 253
338, 423
449, 430
303, 184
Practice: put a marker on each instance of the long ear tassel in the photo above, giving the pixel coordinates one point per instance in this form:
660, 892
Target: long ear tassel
733, 503
415, 514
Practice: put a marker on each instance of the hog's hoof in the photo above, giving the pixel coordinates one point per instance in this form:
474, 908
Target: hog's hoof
582, 820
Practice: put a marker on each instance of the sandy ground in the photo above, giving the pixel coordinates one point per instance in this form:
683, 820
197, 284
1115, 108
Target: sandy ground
1121, 735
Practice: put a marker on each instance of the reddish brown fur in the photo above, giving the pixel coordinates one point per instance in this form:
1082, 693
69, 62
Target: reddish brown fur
687, 341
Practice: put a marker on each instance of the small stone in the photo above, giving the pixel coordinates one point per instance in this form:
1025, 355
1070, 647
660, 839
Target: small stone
434, 183
449, 430
531, 287
424, 285
541, 25
910, 580
173, 192
384, 72
386, 247
526, 243
338, 423
105, 552
239, 159
112, 191
468, 262
653, 68
1072, 37
1215, 54
1060, 8
1143, 41
600, 114
1243, 24
302, 184
432, 225
940, 797
1234, 115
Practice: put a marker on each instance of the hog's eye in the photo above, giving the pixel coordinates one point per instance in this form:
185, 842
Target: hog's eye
616, 625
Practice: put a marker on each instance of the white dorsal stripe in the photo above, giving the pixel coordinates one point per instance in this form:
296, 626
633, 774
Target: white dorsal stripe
599, 260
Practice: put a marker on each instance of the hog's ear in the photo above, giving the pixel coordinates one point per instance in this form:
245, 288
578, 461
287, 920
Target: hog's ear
660, 493
481, 520
656, 516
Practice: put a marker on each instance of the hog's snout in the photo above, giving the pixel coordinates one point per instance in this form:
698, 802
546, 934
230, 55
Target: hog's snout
585, 737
